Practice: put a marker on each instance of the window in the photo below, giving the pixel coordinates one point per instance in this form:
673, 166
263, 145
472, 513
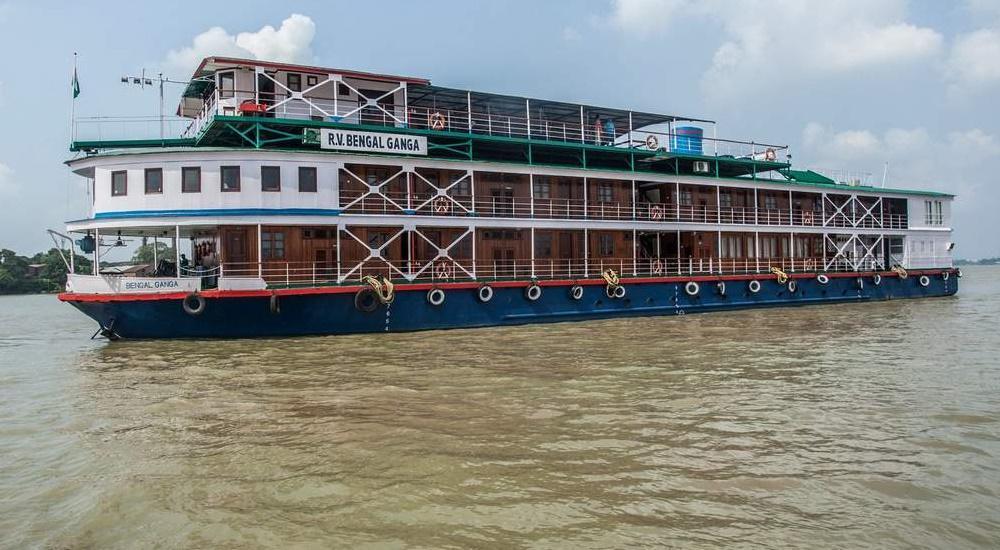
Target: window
190, 179
119, 183
933, 212
462, 185
770, 202
342, 89
227, 85
606, 245
687, 198
938, 212
377, 238
270, 178
294, 82
725, 200
307, 179
311, 80
272, 245
230, 178
543, 245
605, 193
154, 181
542, 189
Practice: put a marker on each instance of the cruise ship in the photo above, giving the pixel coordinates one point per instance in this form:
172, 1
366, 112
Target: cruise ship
304, 200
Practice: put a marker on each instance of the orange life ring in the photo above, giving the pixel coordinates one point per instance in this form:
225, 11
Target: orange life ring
437, 121
442, 205
443, 270
657, 267
656, 212
807, 217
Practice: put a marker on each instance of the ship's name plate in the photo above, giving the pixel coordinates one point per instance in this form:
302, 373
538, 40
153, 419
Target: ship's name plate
372, 142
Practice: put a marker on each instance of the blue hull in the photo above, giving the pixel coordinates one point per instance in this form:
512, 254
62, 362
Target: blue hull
335, 313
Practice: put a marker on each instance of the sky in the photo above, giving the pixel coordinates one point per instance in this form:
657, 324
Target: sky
848, 85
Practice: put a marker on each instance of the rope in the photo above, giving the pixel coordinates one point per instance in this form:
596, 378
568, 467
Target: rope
611, 278
384, 289
898, 270
782, 276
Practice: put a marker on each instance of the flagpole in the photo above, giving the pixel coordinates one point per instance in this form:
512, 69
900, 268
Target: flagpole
72, 109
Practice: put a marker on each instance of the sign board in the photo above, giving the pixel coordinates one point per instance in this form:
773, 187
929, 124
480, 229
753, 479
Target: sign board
105, 284
370, 142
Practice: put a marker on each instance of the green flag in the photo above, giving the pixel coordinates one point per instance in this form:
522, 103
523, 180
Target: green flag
76, 84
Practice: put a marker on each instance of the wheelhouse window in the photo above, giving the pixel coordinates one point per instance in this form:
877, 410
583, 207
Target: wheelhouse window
154, 181
270, 178
307, 179
119, 183
227, 85
272, 245
230, 178
190, 179
294, 81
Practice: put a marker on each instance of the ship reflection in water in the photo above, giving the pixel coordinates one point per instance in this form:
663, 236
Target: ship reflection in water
856, 424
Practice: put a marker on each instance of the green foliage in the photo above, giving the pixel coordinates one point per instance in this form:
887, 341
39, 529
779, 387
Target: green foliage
18, 276
144, 254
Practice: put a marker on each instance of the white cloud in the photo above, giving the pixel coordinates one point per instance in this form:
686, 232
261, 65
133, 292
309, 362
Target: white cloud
291, 42
7, 186
570, 34
974, 63
765, 42
645, 16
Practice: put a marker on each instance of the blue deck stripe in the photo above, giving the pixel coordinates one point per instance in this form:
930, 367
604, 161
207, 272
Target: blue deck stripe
219, 212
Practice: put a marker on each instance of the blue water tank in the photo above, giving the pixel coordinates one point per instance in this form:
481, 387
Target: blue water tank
687, 139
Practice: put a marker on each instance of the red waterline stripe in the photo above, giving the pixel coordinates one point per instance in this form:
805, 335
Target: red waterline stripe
408, 287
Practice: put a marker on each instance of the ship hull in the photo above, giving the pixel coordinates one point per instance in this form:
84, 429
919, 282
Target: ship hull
333, 311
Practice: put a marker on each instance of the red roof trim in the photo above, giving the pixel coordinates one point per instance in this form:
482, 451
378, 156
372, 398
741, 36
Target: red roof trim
311, 69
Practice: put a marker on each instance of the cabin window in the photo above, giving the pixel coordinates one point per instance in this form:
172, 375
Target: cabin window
543, 245
154, 181
770, 202
311, 80
605, 193
294, 82
270, 178
343, 90
933, 212
376, 239
687, 198
606, 244
307, 179
190, 179
725, 200
461, 185
272, 245
119, 183
230, 178
542, 189
227, 85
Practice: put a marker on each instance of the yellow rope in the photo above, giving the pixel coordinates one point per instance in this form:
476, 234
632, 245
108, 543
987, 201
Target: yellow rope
383, 288
898, 270
782, 276
611, 278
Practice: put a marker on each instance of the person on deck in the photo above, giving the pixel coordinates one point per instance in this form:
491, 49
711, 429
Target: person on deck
609, 131
598, 129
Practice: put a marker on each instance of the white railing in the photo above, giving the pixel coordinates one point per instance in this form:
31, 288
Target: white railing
129, 128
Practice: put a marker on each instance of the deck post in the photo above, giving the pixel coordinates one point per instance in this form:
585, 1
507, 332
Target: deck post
155, 259
586, 184
527, 118
177, 249
475, 231
756, 208
531, 194
583, 126
791, 210
791, 249
719, 251
97, 251
338, 253
468, 100
756, 251
678, 251
635, 244
586, 254
630, 129
532, 253
634, 196
260, 259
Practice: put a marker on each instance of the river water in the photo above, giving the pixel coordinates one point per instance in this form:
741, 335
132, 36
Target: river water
829, 426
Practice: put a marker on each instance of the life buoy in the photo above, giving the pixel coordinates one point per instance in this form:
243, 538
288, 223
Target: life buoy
924, 280
945, 275
485, 293
195, 308
443, 270
656, 212
657, 267
365, 300
807, 217
437, 121
754, 286
770, 155
692, 288
877, 279
435, 296
442, 205
809, 264
792, 286
275, 304
720, 287
861, 283
576, 292
822, 279
958, 273
652, 143
619, 292
533, 292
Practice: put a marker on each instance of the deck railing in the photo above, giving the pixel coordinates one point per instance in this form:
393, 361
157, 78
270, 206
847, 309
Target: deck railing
277, 273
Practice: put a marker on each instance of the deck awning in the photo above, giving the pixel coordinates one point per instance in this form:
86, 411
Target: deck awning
438, 97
